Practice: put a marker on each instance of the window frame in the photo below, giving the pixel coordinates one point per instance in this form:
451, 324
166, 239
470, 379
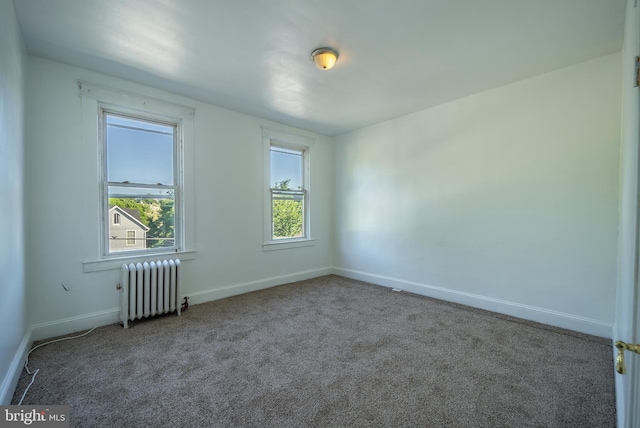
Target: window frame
93, 96
276, 138
177, 186
127, 243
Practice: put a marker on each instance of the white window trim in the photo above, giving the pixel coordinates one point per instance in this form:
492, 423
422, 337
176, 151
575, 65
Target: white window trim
116, 216
296, 142
127, 238
92, 97
115, 263
105, 109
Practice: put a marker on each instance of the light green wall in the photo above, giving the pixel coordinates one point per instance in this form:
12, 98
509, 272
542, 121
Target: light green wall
225, 163
506, 200
13, 305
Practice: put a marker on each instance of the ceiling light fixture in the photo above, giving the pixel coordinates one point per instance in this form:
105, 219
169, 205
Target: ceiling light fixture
324, 58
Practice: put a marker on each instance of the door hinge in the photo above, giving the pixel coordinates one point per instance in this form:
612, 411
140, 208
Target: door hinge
637, 75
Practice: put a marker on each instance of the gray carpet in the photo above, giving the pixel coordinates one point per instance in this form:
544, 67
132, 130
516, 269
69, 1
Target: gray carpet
329, 352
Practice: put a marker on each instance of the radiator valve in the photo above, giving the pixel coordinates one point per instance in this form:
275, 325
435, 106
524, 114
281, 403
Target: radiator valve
185, 304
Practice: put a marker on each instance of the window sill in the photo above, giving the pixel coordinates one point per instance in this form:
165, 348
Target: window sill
114, 263
285, 244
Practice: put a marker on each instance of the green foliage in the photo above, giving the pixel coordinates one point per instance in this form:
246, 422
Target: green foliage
163, 225
287, 218
282, 185
287, 214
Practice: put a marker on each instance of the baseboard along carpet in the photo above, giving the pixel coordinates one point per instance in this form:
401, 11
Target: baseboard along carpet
328, 352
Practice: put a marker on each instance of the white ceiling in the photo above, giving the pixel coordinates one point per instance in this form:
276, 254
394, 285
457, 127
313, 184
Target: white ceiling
252, 56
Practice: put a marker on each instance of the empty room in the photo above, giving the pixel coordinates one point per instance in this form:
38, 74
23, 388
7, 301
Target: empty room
319, 213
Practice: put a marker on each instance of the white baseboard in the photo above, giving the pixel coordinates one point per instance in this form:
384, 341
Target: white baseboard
247, 287
532, 313
8, 386
112, 316
73, 324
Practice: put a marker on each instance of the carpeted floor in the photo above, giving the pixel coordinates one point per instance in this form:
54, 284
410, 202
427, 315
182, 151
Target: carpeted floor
329, 352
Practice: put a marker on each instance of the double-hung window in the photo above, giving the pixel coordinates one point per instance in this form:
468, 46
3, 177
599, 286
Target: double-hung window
288, 193
140, 150
141, 187
131, 237
287, 199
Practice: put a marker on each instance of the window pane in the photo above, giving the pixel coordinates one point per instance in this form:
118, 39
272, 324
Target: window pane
287, 216
148, 213
139, 151
131, 237
286, 169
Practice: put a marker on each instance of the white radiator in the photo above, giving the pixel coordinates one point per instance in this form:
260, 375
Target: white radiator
150, 289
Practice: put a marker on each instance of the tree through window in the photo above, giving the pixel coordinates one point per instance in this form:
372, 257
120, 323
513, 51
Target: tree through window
288, 193
140, 177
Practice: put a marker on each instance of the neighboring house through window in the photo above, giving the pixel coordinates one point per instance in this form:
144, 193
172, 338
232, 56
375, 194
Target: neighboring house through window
130, 233
144, 162
140, 172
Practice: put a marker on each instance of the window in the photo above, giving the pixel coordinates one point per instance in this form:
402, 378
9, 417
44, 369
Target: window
131, 237
287, 185
139, 150
288, 193
141, 176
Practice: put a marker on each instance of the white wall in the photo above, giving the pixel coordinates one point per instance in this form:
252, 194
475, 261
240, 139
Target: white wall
13, 307
228, 172
505, 200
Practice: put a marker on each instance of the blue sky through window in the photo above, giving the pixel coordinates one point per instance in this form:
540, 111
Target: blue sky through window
286, 164
139, 151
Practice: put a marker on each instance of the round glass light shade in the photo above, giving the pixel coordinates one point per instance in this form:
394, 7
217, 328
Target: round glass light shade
324, 58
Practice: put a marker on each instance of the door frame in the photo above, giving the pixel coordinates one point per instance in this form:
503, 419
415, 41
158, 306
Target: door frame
626, 320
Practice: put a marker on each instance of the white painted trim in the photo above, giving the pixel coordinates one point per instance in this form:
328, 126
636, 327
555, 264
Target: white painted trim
115, 263
138, 101
177, 187
112, 316
286, 138
626, 326
78, 323
247, 287
8, 386
290, 243
532, 313
93, 98
296, 142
